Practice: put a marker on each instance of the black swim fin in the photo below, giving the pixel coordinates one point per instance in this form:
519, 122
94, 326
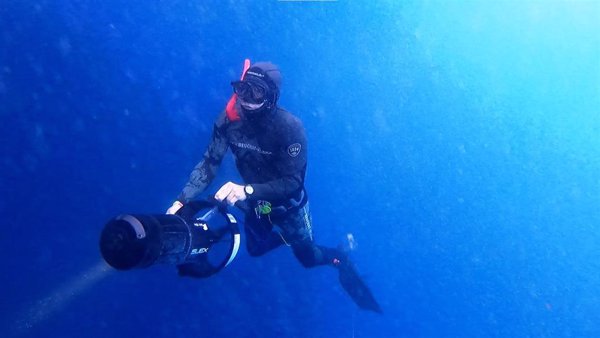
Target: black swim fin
356, 288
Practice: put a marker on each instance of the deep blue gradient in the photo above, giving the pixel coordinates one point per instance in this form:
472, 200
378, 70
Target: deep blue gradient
458, 141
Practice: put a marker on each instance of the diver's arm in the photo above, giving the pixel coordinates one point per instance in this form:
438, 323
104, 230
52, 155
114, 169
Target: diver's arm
277, 189
206, 170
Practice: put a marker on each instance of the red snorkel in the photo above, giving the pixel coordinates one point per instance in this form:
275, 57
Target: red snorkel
230, 110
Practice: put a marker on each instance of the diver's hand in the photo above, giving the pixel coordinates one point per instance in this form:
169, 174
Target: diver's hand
174, 208
231, 193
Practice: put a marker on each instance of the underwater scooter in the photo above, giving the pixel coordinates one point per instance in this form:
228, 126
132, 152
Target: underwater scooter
201, 239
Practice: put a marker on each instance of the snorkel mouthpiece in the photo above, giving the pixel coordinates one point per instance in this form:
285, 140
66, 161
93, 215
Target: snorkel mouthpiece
251, 106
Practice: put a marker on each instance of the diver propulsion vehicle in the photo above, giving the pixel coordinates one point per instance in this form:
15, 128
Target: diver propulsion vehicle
201, 239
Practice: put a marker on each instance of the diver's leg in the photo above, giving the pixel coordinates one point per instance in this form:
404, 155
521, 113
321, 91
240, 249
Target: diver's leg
310, 255
297, 232
260, 238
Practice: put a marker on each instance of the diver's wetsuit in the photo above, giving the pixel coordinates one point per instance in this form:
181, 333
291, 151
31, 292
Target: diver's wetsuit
270, 154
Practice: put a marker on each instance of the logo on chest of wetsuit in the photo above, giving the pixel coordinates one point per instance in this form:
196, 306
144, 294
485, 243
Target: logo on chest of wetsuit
251, 147
294, 149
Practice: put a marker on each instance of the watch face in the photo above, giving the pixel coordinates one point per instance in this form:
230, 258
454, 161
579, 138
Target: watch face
248, 189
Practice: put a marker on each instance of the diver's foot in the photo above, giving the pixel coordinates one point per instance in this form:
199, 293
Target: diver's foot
343, 262
343, 252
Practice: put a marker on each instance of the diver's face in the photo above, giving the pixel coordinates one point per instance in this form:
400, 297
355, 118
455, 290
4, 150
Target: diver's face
252, 95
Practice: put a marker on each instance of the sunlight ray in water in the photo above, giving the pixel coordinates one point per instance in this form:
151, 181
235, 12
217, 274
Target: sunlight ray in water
58, 299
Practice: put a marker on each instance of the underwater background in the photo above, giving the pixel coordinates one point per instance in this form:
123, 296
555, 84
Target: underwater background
458, 141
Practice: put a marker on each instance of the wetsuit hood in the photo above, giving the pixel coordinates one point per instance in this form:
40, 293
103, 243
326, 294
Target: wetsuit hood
265, 71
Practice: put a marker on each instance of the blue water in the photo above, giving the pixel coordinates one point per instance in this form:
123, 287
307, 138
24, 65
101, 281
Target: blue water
458, 141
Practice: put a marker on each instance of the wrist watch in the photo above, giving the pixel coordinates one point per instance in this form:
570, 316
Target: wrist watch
248, 189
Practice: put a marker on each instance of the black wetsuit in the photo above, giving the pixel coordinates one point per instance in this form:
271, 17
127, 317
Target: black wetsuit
270, 154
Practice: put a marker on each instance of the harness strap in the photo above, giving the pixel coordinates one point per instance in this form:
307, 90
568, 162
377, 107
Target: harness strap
292, 204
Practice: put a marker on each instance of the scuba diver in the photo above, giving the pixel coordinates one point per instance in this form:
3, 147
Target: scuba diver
270, 151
